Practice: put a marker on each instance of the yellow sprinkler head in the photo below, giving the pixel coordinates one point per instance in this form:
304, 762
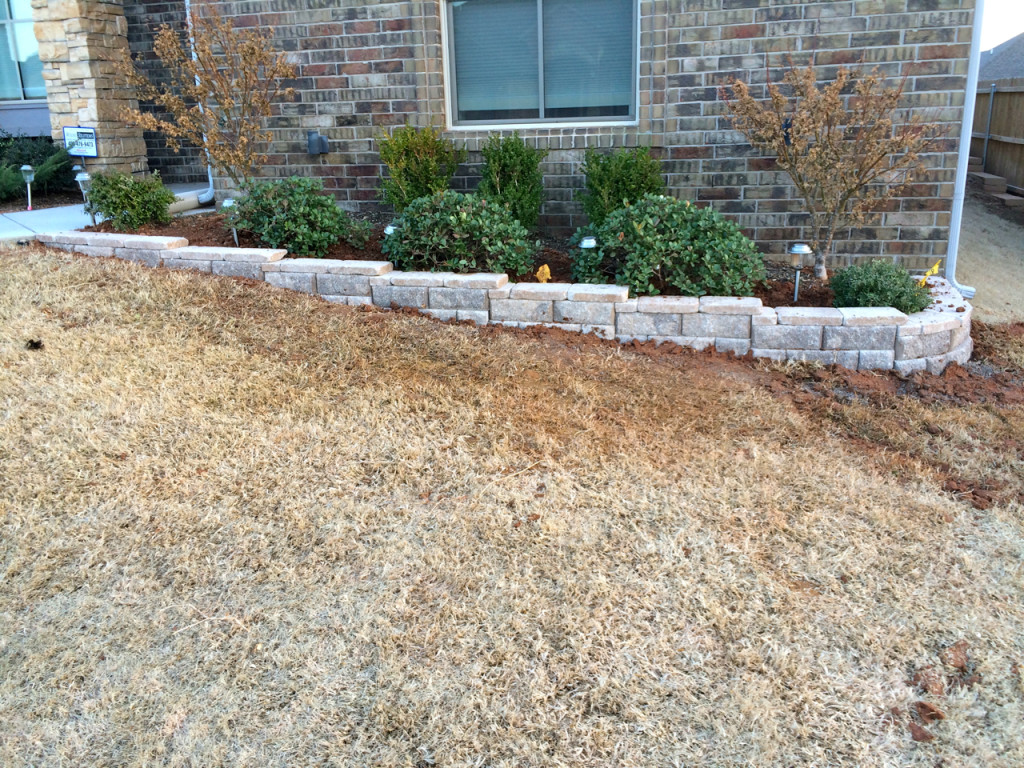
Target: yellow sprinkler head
544, 274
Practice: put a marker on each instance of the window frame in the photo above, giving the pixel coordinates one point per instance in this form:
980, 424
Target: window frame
7, 28
451, 92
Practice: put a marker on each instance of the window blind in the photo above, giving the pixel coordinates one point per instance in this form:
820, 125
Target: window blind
588, 57
496, 59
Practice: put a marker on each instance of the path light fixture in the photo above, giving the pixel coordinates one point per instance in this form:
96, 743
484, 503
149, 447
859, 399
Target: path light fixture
84, 181
588, 243
229, 203
389, 230
28, 173
797, 251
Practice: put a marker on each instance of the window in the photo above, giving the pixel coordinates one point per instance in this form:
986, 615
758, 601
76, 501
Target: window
21, 72
523, 61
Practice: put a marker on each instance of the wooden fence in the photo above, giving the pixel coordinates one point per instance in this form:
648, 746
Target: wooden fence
998, 135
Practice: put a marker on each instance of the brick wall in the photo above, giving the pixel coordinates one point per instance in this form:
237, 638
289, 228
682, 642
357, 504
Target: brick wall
144, 17
367, 66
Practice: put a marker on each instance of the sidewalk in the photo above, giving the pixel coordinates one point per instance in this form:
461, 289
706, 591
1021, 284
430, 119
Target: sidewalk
25, 225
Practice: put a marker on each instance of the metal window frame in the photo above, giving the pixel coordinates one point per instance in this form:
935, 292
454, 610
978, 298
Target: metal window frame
451, 95
8, 27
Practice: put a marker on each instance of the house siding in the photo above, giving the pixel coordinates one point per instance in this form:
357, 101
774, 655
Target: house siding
365, 67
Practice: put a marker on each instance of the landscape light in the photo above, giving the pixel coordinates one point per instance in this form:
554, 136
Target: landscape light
84, 184
28, 173
588, 242
797, 251
229, 203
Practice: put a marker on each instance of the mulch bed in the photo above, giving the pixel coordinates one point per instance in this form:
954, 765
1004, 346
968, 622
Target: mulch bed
210, 230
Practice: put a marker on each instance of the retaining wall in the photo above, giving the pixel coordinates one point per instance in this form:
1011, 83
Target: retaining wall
859, 338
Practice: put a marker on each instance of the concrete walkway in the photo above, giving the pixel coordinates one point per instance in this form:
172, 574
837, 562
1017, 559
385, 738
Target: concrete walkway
25, 225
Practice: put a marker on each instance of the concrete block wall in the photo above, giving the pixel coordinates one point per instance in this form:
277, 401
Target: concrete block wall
875, 338
368, 65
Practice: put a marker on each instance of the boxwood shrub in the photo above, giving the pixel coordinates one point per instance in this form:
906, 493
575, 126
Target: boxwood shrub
128, 202
879, 284
296, 214
662, 244
454, 232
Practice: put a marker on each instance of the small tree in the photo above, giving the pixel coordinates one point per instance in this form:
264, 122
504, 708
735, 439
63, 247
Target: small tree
842, 145
222, 85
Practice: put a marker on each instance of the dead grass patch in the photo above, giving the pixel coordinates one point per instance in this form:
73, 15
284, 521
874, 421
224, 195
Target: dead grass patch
244, 527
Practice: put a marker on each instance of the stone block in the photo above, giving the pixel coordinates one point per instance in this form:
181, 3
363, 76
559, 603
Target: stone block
522, 310
907, 367
540, 291
458, 298
809, 316
403, 296
644, 324
629, 305
609, 293
422, 279
478, 317
247, 255
602, 331
571, 327
930, 321
717, 326
625, 338
872, 316
63, 238
675, 305
772, 354
343, 285
247, 269
303, 266
151, 242
825, 357
477, 281
793, 337
441, 314
859, 337
585, 312
191, 264
730, 305
99, 251
767, 316
925, 345
356, 267
143, 256
960, 335
500, 293
876, 360
350, 301
738, 347
303, 282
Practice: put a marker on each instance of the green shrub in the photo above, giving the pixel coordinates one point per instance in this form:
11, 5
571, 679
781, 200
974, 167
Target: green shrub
511, 176
879, 284
296, 214
420, 162
614, 180
51, 163
129, 203
459, 233
660, 242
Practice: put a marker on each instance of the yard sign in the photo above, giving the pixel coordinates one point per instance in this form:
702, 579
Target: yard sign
80, 142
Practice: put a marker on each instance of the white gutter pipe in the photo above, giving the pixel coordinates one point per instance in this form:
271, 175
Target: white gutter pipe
966, 131
207, 195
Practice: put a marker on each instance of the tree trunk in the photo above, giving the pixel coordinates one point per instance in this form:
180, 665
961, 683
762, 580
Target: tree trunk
819, 266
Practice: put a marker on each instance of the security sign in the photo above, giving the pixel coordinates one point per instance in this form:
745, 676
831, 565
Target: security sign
80, 142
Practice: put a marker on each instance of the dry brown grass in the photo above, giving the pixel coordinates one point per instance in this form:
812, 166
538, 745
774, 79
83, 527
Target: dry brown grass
244, 527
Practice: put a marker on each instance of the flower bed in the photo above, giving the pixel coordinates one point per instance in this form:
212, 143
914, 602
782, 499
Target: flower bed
860, 338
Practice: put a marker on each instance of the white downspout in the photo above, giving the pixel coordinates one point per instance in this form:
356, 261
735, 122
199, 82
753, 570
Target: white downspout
206, 195
966, 131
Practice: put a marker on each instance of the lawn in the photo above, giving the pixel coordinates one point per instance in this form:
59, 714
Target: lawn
244, 527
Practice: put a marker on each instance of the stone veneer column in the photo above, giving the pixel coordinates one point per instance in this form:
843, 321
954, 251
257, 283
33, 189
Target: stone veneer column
80, 42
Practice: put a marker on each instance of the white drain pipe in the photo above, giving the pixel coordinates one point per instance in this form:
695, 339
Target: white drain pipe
966, 131
207, 195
